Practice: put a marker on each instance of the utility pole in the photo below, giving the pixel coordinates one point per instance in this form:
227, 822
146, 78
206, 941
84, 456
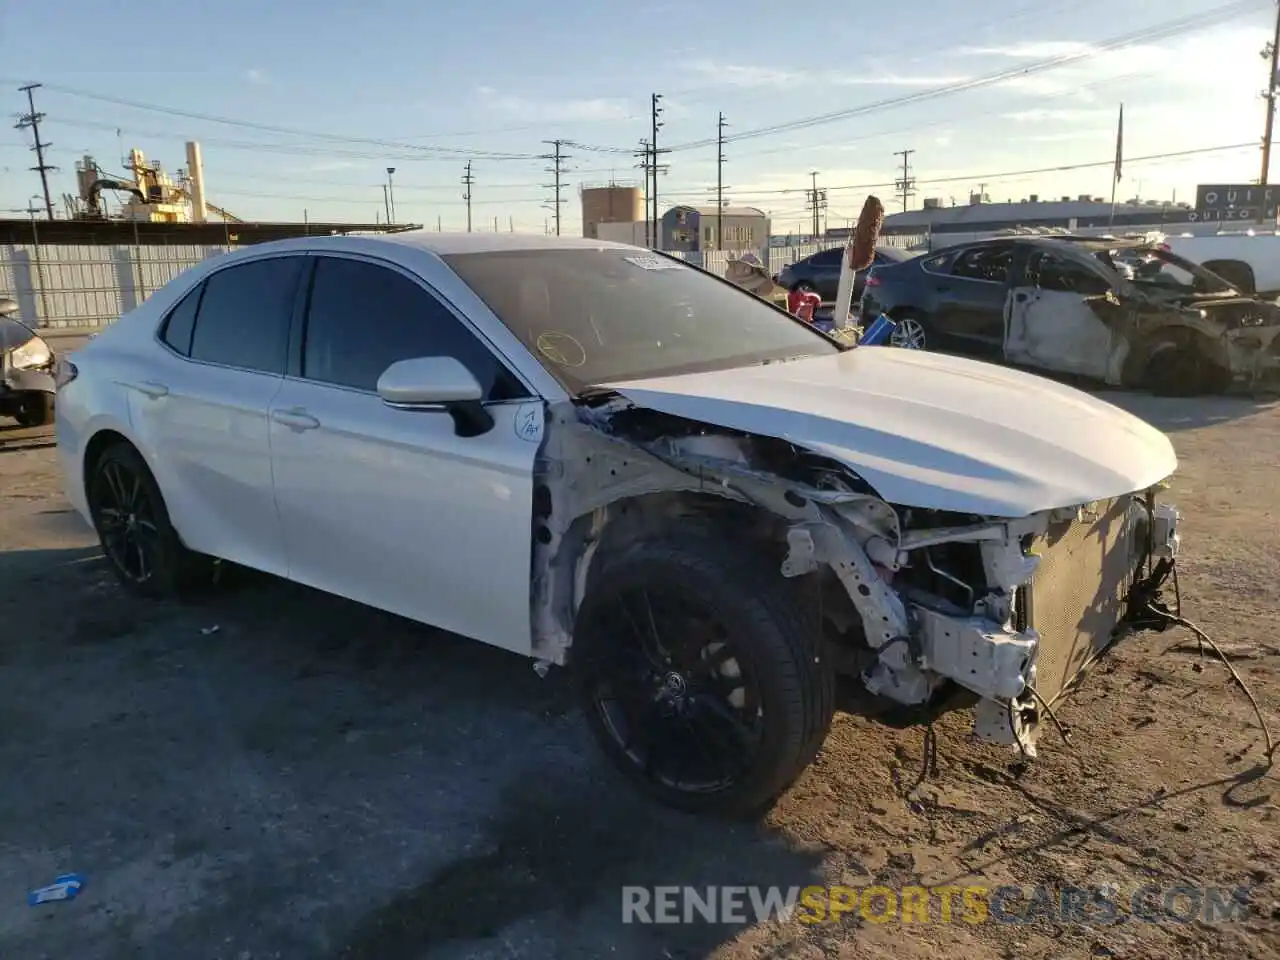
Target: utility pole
1272, 53
32, 119
720, 125
391, 194
817, 203
655, 111
643, 154
557, 159
907, 185
467, 181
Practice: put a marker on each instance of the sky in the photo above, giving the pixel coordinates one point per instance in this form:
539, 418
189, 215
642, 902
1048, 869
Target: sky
301, 107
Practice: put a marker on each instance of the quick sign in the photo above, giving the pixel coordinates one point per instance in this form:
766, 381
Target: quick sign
1236, 201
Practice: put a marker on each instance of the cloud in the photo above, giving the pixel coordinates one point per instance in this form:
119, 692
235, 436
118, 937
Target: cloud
1046, 115
1030, 50
739, 75
556, 111
749, 77
890, 79
255, 75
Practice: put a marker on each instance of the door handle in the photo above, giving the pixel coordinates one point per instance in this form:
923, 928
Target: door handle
151, 388
295, 418
1020, 298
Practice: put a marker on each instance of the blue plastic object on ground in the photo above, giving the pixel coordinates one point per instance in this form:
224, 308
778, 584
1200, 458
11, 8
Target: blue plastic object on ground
878, 333
64, 887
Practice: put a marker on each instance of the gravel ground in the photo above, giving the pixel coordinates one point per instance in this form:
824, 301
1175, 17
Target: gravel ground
313, 779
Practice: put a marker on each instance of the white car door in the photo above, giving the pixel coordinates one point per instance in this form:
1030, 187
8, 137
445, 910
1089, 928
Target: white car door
201, 413
390, 506
1050, 323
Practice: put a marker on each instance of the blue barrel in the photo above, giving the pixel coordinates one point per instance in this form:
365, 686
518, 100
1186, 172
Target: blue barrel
878, 333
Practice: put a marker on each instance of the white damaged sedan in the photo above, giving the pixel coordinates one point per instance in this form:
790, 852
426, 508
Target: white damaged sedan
600, 457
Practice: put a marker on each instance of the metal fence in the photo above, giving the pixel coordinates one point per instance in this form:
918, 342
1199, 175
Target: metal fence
89, 286
60, 286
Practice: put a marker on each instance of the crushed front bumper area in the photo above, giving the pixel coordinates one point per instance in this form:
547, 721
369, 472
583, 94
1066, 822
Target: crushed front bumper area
1056, 598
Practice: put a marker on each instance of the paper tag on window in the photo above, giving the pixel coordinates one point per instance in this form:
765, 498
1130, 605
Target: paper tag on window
651, 262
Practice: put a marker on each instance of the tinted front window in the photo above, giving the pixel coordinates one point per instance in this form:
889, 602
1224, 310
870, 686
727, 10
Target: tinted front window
363, 318
827, 258
595, 316
181, 322
1048, 272
244, 315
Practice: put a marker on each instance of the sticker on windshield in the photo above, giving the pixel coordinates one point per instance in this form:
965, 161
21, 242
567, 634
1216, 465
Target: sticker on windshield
561, 348
528, 422
652, 262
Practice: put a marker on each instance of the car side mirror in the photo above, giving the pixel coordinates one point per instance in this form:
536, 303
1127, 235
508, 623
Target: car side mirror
433, 382
8, 306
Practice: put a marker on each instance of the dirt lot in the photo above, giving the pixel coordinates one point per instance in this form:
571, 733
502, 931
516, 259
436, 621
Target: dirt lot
316, 780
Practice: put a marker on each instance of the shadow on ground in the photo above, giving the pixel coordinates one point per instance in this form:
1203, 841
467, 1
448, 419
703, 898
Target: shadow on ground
269, 771
1172, 414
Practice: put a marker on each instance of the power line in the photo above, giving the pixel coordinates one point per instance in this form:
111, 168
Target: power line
906, 186
557, 169
287, 131
467, 181
1169, 28
32, 119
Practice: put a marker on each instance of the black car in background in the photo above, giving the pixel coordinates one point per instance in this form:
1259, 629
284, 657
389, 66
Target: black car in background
820, 272
1080, 306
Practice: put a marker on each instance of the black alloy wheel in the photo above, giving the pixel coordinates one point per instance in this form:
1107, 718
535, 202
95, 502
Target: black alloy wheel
133, 526
126, 521
675, 694
699, 670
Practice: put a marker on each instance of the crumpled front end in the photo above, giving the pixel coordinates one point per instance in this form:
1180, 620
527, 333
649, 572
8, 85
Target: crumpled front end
921, 604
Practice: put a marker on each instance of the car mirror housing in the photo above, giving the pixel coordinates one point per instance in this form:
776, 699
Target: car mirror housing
437, 382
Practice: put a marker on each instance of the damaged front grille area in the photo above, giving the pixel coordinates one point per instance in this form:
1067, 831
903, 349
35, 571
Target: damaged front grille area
1076, 598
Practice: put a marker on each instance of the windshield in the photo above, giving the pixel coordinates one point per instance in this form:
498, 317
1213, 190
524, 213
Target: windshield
596, 316
1156, 270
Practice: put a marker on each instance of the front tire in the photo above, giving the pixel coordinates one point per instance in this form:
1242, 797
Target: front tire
35, 410
132, 521
700, 674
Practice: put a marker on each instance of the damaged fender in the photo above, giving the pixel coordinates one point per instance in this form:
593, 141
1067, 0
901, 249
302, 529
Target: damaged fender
914, 644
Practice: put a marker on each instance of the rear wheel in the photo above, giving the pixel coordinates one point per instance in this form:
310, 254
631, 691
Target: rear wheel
132, 522
909, 334
35, 410
700, 675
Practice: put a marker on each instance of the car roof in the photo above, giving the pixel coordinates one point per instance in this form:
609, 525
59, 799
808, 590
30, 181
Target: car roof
446, 244
1056, 242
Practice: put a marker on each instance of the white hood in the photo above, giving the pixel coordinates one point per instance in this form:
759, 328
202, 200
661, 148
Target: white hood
931, 431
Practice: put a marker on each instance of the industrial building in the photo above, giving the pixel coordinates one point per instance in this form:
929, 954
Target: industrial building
695, 229
158, 209
937, 218
610, 204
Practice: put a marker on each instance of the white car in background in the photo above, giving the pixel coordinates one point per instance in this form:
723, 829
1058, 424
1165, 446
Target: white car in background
1248, 260
597, 456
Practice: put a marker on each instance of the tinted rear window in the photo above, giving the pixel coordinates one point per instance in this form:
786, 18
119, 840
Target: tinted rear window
244, 315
